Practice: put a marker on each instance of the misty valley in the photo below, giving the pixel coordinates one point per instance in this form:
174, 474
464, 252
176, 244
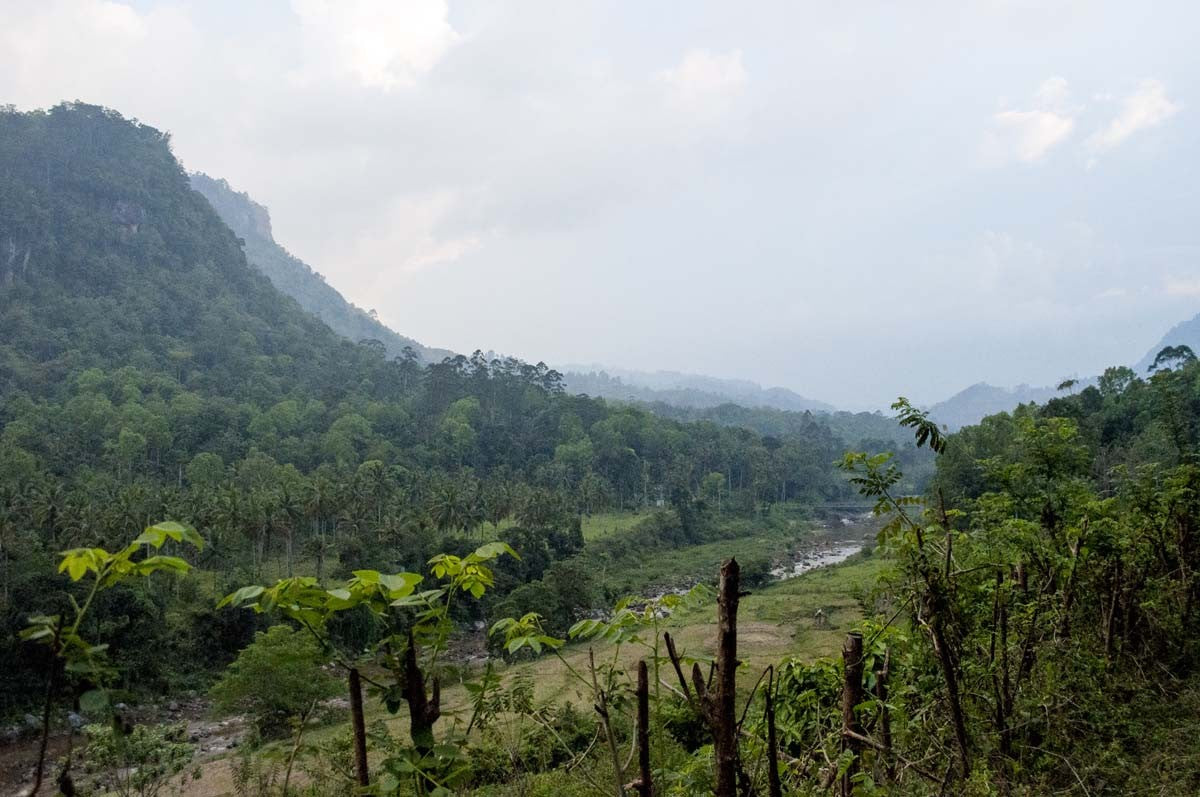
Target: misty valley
255, 542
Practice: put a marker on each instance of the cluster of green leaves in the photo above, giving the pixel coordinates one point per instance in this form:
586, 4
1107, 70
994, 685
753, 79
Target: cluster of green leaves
63, 634
404, 618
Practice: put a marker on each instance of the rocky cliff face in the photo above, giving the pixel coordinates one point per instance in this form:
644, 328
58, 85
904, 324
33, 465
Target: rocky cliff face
251, 222
14, 260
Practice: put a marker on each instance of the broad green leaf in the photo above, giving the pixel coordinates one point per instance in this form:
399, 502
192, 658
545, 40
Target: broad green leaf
400, 584
94, 701
491, 550
340, 599
241, 597
155, 563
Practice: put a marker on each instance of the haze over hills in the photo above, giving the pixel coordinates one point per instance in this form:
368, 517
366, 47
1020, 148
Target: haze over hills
971, 405
251, 222
694, 391
980, 400
1185, 333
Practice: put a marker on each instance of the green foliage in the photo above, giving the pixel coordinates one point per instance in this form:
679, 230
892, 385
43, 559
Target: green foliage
1058, 548
138, 761
62, 633
147, 370
405, 619
275, 679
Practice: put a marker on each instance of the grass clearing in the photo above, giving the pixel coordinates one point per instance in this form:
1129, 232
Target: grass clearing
774, 622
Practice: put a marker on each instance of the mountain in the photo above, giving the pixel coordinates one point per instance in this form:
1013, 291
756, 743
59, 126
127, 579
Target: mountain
978, 401
691, 391
251, 222
138, 347
109, 261
1186, 333
969, 406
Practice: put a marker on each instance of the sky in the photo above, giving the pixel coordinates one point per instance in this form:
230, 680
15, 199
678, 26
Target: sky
851, 200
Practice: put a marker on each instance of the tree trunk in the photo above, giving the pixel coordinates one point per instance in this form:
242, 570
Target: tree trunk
950, 673
51, 682
885, 715
360, 729
852, 694
715, 703
774, 787
724, 709
423, 710
645, 785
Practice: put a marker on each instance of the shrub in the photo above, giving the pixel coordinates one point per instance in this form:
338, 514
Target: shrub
277, 677
137, 762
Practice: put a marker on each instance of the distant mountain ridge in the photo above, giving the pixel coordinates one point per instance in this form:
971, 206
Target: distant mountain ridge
251, 222
971, 405
976, 402
693, 391
1186, 333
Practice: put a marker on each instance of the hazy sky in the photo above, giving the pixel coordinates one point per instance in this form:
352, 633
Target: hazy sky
853, 200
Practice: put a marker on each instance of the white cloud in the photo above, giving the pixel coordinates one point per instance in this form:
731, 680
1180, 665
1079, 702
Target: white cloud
1027, 135
382, 43
704, 79
1146, 107
410, 231
1053, 93
1183, 286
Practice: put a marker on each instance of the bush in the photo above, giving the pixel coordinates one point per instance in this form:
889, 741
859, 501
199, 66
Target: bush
756, 570
511, 746
276, 678
138, 762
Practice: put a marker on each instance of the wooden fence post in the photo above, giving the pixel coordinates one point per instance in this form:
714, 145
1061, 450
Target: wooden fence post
645, 785
774, 787
724, 725
852, 694
360, 729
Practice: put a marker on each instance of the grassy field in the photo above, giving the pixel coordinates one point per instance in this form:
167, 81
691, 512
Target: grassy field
774, 622
601, 525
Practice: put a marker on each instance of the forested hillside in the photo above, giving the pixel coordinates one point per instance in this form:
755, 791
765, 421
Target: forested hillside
293, 277
147, 372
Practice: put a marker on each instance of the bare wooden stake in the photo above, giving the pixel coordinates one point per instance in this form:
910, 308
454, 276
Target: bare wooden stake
885, 716
360, 729
723, 707
774, 787
645, 784
852, 693
715, 699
